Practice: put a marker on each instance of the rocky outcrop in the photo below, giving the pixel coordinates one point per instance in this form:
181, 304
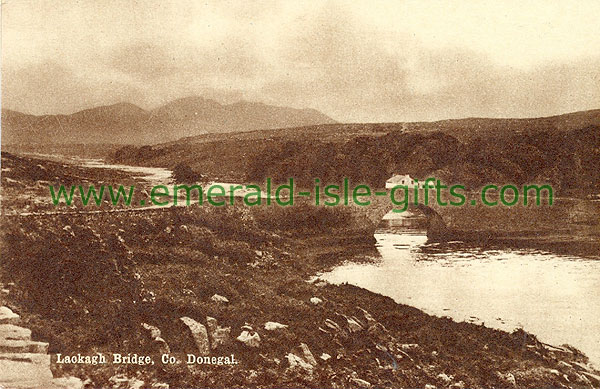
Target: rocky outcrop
199, 334
158, 344
219, 299
249, 338
7, 316
272, 326
219, 336
24, 363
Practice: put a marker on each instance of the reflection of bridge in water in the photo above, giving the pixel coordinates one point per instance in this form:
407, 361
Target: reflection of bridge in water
419, 218
415, 219
407, 222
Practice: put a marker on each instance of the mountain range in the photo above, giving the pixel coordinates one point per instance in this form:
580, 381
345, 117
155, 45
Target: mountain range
126, 123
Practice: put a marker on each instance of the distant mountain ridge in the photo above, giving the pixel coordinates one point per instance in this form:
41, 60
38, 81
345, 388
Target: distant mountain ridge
125, 123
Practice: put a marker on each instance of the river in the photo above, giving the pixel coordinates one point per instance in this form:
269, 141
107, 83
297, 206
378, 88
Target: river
154, 175
554, 297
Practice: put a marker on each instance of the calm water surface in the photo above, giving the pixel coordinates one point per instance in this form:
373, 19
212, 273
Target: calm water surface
557, 298
155, 175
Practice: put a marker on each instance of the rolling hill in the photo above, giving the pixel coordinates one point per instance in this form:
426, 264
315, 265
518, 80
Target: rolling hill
466, 129
125, 123
562, 150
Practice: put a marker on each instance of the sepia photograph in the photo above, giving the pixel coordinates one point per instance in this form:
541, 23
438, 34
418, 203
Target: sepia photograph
321, 194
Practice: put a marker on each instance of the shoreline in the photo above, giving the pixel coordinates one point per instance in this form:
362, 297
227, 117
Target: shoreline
279, 273
166, 264
403, 274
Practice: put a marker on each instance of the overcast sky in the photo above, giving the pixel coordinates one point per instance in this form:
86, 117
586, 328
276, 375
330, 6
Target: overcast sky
355, 61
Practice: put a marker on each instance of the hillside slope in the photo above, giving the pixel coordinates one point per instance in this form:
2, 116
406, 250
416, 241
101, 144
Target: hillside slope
125, 123
549, 150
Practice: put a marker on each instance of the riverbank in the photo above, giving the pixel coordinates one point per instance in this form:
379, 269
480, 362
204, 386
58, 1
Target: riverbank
569, 226
86, 283
106, 282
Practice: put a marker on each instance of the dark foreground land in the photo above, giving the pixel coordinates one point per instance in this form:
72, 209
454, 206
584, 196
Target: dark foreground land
108, 282
87, 283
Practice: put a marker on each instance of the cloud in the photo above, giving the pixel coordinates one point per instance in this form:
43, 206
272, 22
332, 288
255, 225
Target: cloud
327, 55
52, 88
480, 88
358, 73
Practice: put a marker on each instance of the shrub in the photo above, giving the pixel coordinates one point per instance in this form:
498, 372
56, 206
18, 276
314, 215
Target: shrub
184, 174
